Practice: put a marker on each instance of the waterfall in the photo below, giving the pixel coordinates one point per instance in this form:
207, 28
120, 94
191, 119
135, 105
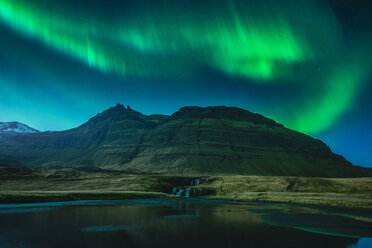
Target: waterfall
179, 192
187, 193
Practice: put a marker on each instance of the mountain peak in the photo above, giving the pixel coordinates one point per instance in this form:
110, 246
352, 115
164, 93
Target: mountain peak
120, 107
17, 127
116, 113
8, 129
223, 112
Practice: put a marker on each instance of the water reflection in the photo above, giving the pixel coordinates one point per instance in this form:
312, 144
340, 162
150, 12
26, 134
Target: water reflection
164, 223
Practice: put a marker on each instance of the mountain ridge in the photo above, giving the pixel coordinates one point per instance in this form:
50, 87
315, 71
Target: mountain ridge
10, 129
193, 140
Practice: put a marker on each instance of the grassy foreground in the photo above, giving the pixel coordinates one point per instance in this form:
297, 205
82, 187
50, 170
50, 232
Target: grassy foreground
340, 192
21, 184
56, 196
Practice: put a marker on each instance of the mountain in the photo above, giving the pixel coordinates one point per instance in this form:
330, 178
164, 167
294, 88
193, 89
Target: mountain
10, 129
193, 140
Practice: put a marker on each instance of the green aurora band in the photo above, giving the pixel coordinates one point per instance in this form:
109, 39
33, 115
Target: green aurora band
242, 43
343, 83
243, 39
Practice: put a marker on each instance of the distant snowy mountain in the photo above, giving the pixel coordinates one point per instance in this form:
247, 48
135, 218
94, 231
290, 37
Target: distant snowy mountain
8, 129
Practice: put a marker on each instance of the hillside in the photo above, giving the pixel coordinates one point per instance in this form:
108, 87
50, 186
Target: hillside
194, 140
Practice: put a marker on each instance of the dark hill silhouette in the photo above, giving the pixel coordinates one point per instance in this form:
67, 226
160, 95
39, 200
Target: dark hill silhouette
194, 140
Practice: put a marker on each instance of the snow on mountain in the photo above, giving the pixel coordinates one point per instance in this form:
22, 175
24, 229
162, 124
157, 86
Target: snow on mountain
13, 128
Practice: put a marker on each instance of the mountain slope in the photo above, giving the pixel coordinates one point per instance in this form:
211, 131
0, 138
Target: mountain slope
194, 140
10, 129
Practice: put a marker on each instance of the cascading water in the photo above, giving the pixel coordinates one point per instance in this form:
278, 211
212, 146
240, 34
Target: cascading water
179, 192
186, 191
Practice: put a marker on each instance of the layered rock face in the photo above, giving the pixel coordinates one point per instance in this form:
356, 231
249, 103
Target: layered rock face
194, 140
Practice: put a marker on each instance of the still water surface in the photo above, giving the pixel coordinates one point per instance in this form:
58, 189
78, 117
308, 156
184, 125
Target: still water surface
178, 223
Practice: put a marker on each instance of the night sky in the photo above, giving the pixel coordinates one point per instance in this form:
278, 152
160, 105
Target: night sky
305, 64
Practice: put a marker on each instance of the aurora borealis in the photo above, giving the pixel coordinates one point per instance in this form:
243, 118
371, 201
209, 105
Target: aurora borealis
304, 63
